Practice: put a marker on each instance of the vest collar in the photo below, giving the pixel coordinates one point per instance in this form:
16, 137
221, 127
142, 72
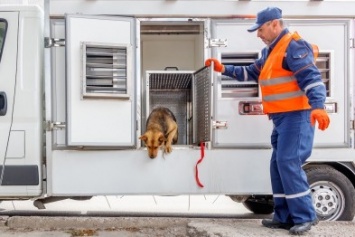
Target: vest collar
272, 45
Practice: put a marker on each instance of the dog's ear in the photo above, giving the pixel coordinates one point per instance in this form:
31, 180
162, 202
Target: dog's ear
161, 139
143, 138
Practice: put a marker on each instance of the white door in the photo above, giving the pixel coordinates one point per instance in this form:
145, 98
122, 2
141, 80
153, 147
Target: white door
238, 103
244, 129
100, 76
202, 105
332, 38
8, 55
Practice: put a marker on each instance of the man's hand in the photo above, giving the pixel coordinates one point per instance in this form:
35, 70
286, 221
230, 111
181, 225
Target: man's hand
218, 67
322, 118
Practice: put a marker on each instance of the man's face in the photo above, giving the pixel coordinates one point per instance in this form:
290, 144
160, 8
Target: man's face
268, 32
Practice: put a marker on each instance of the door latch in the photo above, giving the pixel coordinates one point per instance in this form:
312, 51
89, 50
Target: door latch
331, 107
250, 108
219, 124
217, 42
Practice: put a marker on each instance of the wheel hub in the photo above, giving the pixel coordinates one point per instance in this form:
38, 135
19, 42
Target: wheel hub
325, 200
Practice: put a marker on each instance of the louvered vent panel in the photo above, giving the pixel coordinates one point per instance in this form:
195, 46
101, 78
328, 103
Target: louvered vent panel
202, 106
232, 88
165, 81
105, 71
323, 64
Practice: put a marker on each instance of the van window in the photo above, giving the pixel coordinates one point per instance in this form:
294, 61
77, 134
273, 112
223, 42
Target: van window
3, 27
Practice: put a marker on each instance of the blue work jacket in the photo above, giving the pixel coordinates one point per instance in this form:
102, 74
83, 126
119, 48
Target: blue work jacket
298, 59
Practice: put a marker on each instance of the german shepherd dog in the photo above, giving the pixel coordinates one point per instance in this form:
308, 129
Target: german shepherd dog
161, 131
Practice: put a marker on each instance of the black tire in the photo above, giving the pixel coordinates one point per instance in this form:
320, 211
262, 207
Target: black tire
259, 205
332, 192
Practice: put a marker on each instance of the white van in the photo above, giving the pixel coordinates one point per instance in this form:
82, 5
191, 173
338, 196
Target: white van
79, 78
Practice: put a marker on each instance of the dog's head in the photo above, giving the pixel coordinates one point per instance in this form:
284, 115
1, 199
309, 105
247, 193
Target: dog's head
153, 140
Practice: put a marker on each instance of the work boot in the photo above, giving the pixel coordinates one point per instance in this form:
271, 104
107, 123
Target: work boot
269, 223
300, 229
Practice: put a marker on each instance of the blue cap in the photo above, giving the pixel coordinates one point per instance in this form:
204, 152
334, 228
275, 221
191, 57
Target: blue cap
270, 13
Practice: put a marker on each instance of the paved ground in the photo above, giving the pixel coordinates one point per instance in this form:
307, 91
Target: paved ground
108, 217
36, 226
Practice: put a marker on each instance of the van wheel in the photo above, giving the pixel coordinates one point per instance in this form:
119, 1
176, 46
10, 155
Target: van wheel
259, 204
332, 192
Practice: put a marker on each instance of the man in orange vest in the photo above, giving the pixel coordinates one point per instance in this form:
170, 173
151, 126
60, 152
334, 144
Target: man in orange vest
293, 97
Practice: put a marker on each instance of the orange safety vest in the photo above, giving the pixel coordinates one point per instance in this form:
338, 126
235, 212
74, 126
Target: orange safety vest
279, 88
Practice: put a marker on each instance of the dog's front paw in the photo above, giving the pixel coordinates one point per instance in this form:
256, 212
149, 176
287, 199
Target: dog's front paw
168, 149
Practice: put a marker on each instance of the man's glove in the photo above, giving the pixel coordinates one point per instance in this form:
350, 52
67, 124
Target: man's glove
218, 67
322, 118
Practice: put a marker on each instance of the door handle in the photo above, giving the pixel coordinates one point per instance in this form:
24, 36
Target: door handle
250, 108
3, 103
331, 107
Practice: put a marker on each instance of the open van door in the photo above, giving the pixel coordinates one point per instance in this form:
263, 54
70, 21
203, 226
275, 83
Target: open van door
100, 72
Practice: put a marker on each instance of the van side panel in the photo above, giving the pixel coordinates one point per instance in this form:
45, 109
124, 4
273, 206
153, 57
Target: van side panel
22, 166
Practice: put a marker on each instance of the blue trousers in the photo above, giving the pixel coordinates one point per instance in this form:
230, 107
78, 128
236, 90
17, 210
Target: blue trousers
292, 141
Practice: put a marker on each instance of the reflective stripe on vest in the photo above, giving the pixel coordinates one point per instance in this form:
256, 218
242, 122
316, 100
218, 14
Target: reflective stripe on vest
276, 81
281, 96
288, 95
279, 87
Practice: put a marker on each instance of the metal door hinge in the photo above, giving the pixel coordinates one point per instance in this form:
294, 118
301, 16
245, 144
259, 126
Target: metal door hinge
51, 42
217, 42
352, 43
50, 125
352, 124
219, 124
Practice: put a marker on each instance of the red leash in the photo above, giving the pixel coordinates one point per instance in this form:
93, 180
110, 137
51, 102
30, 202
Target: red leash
202, 146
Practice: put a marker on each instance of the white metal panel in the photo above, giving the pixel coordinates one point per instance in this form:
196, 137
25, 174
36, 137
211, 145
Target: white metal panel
331, 36
16, 147
225, 8
126, 172
97, 122
22, 59
242, 130
8, 77
134, 172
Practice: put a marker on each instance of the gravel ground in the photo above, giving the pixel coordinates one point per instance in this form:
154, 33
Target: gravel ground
38, 226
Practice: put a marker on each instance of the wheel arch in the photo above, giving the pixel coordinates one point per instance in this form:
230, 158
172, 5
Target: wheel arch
346, 168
